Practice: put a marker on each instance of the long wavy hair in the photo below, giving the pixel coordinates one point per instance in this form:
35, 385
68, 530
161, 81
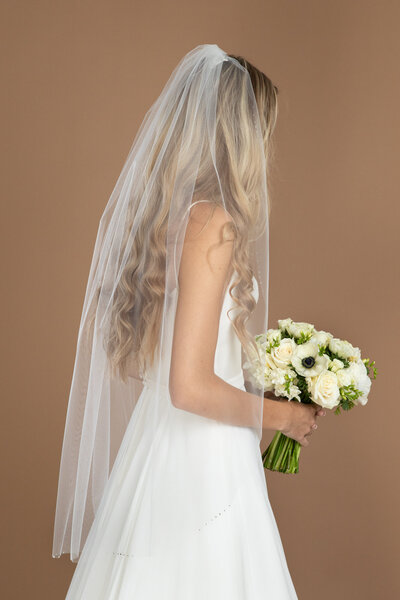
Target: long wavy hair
127, 345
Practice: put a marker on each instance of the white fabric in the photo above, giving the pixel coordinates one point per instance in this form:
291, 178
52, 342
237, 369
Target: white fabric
233, 551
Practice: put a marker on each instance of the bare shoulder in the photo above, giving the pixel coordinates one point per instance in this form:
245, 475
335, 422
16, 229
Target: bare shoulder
207, 221
208, 243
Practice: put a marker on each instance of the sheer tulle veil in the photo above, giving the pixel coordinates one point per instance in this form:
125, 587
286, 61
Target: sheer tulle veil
182, 151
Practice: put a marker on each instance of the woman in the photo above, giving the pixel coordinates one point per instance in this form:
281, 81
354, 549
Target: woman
177, 289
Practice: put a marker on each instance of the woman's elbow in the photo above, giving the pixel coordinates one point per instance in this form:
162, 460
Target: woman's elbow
180, 395
186, 393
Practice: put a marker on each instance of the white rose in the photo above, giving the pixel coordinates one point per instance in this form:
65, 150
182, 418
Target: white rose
335, 365
283, 324
348, 375
272, 334
364, 386
297, 328
324, 389
357, 375
306, 360
355, 354
269, 361
265, 339
344, 349
322, 338
282, 354
363, 383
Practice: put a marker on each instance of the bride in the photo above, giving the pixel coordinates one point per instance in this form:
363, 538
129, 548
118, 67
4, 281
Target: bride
161, 491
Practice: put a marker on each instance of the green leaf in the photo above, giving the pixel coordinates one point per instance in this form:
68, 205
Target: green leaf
303, 338
368, 365
275, 342
349, 393
303, 387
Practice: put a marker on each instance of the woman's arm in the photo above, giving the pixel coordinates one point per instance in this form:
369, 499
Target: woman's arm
205, 271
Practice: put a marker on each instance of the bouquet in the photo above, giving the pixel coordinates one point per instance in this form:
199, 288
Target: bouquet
300, 363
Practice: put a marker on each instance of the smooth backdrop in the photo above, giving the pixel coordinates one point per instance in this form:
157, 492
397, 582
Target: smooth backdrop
77, 78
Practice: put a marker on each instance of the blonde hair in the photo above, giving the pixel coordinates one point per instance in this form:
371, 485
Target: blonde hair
147, 258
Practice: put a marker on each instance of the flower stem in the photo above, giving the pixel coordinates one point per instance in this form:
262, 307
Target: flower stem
282, 454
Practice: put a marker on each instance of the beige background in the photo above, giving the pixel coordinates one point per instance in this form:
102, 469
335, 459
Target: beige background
77, 79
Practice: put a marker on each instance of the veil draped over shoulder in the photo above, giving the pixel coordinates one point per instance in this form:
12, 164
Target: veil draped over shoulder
182, 151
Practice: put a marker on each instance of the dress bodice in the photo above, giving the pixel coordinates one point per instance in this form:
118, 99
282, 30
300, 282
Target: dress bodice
227, 363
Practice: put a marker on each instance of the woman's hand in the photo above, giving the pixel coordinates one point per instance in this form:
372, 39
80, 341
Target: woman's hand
299, 419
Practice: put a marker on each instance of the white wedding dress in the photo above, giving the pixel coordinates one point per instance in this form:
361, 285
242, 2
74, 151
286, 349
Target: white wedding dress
232, 552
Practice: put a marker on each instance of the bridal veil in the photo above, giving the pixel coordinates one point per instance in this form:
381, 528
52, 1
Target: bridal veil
183, 150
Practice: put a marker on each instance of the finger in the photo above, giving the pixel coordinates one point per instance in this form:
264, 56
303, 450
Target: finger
313, 406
